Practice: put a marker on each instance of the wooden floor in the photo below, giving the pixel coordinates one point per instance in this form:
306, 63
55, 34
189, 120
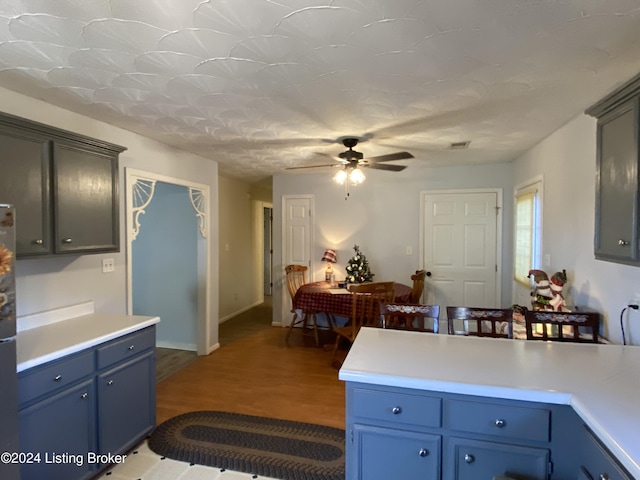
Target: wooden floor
258, 374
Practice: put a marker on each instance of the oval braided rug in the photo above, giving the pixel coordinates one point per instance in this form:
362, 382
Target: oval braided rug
270, 447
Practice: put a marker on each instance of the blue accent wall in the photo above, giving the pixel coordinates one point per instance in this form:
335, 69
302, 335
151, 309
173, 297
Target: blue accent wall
165, 267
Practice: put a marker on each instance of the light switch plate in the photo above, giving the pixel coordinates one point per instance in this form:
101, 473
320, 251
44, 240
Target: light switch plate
108, 265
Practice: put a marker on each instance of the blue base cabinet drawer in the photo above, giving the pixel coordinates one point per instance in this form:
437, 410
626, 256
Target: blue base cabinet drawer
396, 407
507, 421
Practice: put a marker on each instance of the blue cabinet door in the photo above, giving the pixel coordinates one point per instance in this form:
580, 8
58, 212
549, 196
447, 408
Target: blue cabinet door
475, 460
61, 430
126, 407
386, 453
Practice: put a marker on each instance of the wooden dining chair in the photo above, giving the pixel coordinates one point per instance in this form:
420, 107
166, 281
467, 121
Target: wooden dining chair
480, 322
296, 276
366, 299
578, 326
418, 286
418, 318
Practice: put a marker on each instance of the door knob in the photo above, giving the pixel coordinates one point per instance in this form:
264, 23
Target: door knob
500, 423
428, 274
468, 458
423, 452
396, 410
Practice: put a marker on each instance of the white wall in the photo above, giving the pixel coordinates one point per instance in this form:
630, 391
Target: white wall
382, 216
48, 283
567, 160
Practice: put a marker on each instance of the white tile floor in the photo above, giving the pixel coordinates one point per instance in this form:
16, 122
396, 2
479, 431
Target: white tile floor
146, 465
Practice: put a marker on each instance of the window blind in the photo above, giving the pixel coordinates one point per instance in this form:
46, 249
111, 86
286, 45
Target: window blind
524, 235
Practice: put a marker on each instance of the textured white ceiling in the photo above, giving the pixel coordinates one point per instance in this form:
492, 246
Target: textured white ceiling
261, 85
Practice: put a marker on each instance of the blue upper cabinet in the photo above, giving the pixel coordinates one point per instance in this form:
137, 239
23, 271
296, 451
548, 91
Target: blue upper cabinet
64, 187
617, 214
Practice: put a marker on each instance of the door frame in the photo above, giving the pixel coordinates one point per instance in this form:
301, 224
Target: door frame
499, 240
131, 177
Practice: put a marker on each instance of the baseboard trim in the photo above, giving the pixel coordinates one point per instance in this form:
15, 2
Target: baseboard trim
178, 346
242, 310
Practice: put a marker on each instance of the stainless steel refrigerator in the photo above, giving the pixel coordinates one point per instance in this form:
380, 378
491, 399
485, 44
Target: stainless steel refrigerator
9, 447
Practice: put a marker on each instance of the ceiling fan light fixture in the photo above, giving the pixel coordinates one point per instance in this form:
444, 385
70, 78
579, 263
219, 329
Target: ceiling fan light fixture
340, 177
356, 177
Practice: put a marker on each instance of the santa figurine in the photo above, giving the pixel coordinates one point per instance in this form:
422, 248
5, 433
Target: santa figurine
541, 294
558, 281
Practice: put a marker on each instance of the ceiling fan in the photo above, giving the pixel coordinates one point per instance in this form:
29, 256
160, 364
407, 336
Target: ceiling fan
352, 160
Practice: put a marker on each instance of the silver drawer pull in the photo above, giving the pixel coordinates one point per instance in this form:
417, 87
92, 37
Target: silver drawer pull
66, 240
37, 242
57, 378
604, 476
500, 423
396, 410
468, 458
84, 395
131, 347
623, 243
423, 452
110, 382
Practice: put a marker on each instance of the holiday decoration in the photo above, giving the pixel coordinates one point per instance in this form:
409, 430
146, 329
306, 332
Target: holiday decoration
358, 268
547, 295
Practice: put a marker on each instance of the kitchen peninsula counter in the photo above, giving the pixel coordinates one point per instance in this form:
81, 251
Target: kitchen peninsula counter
600, 382
59, 336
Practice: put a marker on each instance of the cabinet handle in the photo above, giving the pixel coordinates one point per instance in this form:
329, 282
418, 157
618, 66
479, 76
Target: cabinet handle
38, 242
110, 382
131, 347
66, 240
57, 378
604, 476
396, 410
500, 423
423, 452
468, 458
623, 243
84, 395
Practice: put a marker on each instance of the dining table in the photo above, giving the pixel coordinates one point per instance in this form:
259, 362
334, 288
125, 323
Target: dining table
326, 298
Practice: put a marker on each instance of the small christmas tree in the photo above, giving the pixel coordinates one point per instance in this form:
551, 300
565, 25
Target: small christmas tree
358, 268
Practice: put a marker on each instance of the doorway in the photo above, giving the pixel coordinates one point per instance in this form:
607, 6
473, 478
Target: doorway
168, 257
267, 250
461, 246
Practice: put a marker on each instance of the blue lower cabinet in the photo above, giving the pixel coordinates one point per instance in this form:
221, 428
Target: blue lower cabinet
478, 459
126, 409
76, 411
56, 434
386, 453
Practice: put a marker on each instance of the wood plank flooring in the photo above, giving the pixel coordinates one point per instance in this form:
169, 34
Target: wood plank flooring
256, 373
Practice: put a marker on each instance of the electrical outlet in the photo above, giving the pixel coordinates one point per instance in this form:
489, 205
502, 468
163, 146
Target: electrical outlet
108, 265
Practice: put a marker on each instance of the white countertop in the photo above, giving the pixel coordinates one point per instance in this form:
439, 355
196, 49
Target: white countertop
601, 382
54, 340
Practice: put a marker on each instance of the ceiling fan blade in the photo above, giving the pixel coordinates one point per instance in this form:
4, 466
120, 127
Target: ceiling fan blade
333, 157
390, 156
383, 166
314, 166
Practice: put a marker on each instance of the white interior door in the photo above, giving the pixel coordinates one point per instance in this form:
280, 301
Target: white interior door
461, 248
297, 238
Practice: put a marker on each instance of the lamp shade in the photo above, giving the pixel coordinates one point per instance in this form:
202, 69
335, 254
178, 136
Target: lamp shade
329, 256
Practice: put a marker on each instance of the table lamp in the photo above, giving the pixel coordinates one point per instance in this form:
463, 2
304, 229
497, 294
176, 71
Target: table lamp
329, 257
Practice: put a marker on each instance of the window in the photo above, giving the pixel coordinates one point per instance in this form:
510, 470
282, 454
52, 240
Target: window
527, 231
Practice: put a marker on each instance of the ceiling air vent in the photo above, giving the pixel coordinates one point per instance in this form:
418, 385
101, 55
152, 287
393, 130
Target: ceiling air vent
460, 145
